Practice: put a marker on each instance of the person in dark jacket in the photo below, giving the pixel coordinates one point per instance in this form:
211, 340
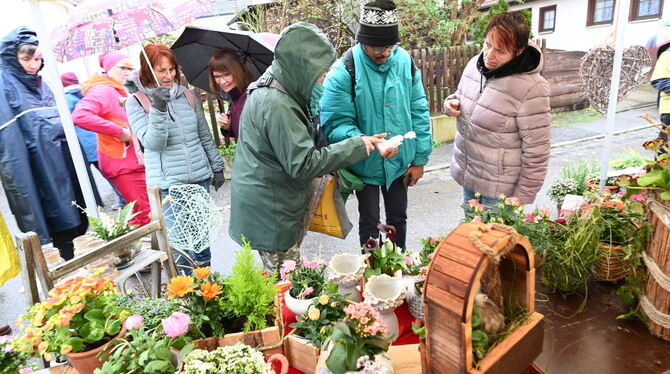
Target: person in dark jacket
276, 154
36, 169
229, 78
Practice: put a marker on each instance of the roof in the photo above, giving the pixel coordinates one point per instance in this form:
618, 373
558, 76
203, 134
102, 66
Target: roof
489, 3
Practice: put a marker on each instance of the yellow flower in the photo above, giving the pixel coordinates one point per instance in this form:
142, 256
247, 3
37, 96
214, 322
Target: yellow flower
324, 299
180, 286
65, 349
314, 314
47, 356
333, 304
210, 291
201, 273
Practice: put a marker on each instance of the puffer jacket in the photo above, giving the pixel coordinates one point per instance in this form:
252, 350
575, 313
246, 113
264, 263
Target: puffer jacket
276, 156
502, 143
178, 145
390, 99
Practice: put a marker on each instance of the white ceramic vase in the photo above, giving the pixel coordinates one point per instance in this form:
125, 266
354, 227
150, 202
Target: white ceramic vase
346, 270
297, 306
385, 293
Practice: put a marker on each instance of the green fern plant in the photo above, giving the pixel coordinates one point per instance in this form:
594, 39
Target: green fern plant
251, 292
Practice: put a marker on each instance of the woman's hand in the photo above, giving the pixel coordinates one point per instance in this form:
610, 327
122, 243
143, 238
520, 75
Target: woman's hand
224, 121
126, 136
371, 141
452, 107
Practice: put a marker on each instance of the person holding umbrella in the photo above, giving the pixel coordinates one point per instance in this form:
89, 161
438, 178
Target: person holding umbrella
276, 154
101, 111
36, 169
170, 124
229, 78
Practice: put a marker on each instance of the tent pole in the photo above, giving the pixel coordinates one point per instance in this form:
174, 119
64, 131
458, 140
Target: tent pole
622, 17
64, 111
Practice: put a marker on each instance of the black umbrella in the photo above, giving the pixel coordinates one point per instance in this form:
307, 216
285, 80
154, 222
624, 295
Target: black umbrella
196, 45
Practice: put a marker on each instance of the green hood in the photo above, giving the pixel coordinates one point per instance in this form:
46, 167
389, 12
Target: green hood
302, 54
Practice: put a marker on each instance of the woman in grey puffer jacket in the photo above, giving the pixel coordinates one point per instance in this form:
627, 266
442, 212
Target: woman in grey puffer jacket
502, 144
178, 145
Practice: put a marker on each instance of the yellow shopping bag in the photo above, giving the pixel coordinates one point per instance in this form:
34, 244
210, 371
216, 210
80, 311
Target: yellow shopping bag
330, 216
9, 259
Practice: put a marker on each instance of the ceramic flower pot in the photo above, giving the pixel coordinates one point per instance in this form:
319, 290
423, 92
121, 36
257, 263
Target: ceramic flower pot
345, 270
297, 306
86, 362
385, 293
414, 299
123, 257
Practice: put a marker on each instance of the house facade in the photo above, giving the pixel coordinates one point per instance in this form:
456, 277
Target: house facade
584, 24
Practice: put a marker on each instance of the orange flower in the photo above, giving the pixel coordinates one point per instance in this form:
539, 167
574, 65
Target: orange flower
615, 205
201, 273
210, 291
180, 286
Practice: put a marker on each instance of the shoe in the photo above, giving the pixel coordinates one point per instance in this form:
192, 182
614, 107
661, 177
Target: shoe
5, 330
118, 205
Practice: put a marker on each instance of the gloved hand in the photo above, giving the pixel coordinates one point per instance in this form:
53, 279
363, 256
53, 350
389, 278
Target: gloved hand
160, 98
218, 180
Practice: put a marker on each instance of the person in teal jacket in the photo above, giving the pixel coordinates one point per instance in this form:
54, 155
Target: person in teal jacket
387, 97
276, 156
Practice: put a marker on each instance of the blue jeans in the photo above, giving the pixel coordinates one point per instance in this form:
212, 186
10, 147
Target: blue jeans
200, 258
468, 195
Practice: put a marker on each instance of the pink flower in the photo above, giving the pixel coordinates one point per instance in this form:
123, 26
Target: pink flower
408, 260
134, 322
176, 324
431, 255
472, 203
308, 291
544, 213
26, 371
287, 267
561, 221
477, 219
308, 264
513, 201
530, 217
432, 240
638, 197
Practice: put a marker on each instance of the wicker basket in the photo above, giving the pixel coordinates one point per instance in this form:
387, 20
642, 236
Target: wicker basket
611, 265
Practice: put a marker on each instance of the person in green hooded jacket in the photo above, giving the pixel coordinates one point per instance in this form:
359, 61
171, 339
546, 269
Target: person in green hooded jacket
276, 156
383, 93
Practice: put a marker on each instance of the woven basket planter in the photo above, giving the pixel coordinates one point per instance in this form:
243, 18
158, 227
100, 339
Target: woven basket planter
611, 265
655, 304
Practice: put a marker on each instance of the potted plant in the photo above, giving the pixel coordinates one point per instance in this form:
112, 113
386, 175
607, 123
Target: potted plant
107, 228
238, 358
152, 310
307, 281
573, 179
80, 316
303, 344
385, 256
227, 151
11, 360
151, 350
358, 342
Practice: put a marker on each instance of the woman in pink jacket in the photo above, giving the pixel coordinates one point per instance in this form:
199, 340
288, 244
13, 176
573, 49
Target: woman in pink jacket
102, 111
502, 143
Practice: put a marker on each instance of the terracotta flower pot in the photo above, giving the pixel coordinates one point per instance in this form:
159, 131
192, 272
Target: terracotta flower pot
86, 362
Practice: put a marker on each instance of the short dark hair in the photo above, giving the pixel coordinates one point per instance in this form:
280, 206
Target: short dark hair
156, 51
227, 61
27, 48
509, 30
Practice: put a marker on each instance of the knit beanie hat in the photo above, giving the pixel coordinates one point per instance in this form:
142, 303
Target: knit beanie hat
378, 24
109, 59
69, 79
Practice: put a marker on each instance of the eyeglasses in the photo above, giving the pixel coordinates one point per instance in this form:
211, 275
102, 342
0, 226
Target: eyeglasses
390, 47
217, 77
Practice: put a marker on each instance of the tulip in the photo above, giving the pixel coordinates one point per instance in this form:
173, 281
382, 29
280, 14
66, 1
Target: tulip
176, 324
134, 322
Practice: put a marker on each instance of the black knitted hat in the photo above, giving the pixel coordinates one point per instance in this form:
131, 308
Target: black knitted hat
378, 24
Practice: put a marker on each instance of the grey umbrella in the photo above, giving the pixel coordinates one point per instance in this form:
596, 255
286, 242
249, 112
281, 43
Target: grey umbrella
196, 44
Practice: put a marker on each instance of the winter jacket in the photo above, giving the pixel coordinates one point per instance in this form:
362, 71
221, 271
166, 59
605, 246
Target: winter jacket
101, 111
660, 79
276, 157
178, 144
87, 139
388, 99
36, 169
237, 101
502, 144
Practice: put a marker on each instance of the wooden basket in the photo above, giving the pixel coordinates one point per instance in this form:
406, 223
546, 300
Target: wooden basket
611, 265
657, 255
302, 354
450, 287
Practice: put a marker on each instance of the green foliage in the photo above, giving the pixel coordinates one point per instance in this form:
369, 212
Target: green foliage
251, 293
386, 258
144, 351
435, 143
307, 280
572, 179
228, 151
564, 119
12, 361
478, 28
419, 330
152, 310
428, 24
108, 228
480, 341
629, 159
316, 327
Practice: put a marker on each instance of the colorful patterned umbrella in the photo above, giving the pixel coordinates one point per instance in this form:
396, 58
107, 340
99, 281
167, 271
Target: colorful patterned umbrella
660, 41
97, 26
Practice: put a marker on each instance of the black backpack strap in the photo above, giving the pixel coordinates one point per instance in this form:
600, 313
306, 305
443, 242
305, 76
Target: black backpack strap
351, 69
267, 81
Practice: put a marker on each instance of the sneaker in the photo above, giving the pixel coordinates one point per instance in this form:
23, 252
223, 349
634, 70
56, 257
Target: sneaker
118, 206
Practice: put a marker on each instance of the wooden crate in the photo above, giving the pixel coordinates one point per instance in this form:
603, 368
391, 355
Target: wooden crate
301, 354
450, 288
658, 256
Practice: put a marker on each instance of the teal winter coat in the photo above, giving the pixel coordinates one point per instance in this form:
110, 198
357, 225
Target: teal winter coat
388, 99
276, 158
